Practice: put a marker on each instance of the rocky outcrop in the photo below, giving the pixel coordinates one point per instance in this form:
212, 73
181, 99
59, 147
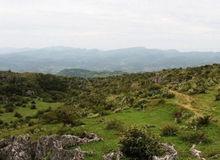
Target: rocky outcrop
53, 147
113, 156
170, 152
196, 153
16, 148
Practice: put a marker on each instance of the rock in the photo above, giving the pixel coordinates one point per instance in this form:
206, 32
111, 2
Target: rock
53, 147
61, 154
46, 144
170, 153
16, 148
196, 153
217, 156
113, 156
90, 137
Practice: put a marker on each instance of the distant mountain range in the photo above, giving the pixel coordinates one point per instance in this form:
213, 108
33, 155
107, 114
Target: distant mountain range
87, 73
137, 59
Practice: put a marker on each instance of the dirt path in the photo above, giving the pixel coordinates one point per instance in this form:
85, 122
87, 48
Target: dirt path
186, 102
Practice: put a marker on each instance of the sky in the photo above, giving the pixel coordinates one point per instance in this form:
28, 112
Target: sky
109, 24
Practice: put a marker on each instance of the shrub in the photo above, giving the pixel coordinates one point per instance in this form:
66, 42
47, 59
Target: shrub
169, 130
178, 116
6, 124
194, 137
203, 121
217, 97
18, 115
115, 125
140, 144
64, 130
167, 94
9, 109
31, 123
1, 122
28, 118
1, 111
50, 117
65, 115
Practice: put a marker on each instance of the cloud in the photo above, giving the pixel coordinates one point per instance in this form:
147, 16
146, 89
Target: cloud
183, 25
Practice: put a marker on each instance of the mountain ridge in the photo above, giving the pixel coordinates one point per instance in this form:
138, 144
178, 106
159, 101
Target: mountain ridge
134, 59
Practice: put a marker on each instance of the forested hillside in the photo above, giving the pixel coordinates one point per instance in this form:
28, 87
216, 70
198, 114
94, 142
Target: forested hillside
179, 106
87, 73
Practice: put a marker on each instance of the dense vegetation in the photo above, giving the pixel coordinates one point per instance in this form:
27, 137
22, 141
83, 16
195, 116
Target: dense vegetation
180, 106
87, 73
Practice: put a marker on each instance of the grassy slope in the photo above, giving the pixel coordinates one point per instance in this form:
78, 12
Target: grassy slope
158, 116
129, 117
209, 105
27, 111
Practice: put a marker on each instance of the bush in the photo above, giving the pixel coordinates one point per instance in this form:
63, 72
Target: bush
194, 137
68, 118
217, 97
169, 130
9, 109
203, 121
1, 111
178, 115
65, 115
140, 144
168, 95
31, 123
18, 115
28, 118
33, 105
64, 130
50, 117
115, 125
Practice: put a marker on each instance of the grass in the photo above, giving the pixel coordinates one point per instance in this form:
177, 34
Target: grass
27, 111
129, 117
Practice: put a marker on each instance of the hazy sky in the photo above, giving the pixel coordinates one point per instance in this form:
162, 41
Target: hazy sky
107, 24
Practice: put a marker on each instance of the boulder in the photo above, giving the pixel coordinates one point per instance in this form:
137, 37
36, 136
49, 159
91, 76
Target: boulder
53, 147
196, 153
170, 152
16, 148
113, 156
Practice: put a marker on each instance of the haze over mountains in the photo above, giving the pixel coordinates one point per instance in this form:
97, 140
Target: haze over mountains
137, 59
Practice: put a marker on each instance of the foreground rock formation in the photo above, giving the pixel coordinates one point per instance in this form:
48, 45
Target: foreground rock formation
170, 154
53, 147
113, 156
196, 153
